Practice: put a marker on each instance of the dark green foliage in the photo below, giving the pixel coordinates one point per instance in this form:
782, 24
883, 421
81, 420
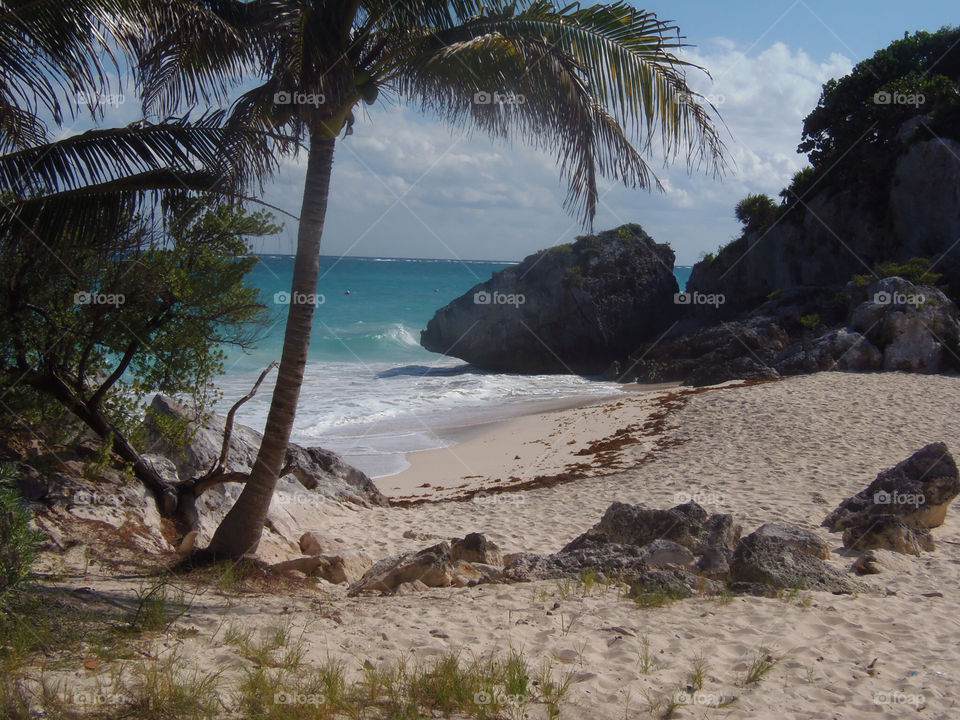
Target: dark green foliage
916, 270
167, 297
756, 212
18, 541
915, 76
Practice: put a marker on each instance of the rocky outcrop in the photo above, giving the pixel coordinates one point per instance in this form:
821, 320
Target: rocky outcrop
890, 324
912, 212
572, 308
770, 561
315, 469
687, 525
900, 507
434, 566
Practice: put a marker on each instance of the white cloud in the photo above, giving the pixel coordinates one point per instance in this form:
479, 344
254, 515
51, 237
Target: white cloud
473, 198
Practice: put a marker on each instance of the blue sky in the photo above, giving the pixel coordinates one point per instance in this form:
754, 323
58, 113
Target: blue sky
405, 185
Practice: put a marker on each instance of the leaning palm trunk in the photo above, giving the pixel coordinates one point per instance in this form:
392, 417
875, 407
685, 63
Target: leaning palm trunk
240, 531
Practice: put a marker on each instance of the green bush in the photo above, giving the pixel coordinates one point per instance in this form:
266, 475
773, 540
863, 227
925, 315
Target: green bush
18, 541
916, 270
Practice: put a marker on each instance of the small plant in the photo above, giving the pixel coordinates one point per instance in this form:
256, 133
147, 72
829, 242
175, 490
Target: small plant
552, 690
656, 597
810, 322
646, 662
158, 607
163, 691
760, 667
775, 294
698, 673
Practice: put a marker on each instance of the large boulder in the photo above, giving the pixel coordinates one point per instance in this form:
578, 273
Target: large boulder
574, 307
898, 509
770, 561
802, 539
688, 525
916, 327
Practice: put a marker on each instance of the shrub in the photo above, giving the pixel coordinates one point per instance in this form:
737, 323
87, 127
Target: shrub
18, 541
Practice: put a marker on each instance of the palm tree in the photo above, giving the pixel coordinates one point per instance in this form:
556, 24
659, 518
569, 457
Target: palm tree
85, 187
590, 79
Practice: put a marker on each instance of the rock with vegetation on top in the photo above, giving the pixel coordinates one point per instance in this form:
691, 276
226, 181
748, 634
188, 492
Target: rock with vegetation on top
572, 308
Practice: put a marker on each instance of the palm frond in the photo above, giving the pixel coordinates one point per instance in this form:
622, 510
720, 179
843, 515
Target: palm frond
579, 82
99, 156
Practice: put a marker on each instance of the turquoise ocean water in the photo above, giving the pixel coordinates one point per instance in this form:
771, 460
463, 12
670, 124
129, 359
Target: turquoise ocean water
370, 391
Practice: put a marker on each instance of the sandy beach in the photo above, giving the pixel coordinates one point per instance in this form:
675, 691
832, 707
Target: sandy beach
787, 450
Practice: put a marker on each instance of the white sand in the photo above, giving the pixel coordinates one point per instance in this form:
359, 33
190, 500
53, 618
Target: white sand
781, 451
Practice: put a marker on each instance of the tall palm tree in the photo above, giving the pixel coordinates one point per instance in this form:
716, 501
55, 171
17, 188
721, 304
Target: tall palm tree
590, 78
54, 58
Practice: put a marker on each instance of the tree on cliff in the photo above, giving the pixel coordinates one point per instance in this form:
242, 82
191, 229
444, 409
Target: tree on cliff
915, 79
578, 81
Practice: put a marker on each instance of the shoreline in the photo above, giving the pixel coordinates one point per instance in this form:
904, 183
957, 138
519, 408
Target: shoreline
539, 444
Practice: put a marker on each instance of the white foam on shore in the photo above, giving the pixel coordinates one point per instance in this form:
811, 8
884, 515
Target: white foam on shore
374, 413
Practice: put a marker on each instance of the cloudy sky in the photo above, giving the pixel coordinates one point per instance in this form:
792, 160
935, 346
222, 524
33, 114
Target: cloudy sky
405, 185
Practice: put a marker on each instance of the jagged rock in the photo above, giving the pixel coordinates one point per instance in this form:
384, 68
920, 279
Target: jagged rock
804, 540
475, 548
163, 467
433, 567
916, 327
688, 525
575, 307
838, 349
897, 510
888, 532
911, 209
738, 350
318, 470
873, 562
609, 560
715, 563
675, 581
774, 562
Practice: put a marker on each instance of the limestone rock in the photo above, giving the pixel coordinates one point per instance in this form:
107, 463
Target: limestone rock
774, 562
476, 548
897, 510
574, 307
804, 540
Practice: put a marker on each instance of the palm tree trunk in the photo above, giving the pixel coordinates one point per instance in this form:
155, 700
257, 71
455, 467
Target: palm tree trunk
240, 531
